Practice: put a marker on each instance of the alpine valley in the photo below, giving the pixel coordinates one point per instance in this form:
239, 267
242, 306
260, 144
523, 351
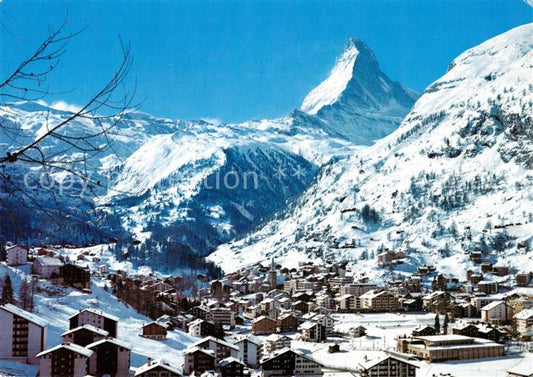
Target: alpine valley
364, 165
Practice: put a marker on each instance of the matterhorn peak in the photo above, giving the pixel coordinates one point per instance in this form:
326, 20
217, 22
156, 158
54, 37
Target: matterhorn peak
329, 91
356, 85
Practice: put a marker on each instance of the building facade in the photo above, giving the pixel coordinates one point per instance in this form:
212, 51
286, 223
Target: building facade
22, 335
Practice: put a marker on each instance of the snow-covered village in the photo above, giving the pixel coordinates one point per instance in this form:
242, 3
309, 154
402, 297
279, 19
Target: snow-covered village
266, 189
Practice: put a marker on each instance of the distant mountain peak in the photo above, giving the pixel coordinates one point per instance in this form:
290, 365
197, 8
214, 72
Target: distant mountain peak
330, 90
357, 100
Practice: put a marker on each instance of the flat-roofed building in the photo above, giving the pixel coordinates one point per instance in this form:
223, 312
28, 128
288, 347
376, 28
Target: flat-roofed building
451, 347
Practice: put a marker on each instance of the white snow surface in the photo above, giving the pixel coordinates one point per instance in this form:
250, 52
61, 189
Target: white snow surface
330, 90
452, 138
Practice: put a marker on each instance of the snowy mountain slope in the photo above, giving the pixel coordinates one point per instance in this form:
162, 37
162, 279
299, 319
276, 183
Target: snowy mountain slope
160, 173
357, 100
56, 304
456, 176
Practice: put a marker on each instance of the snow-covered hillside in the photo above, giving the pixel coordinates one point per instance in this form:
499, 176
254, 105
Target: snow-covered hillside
456, 176
207, 183
55, 304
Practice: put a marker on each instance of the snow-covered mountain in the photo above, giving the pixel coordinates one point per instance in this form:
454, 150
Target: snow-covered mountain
203, 184
456, 176
357, 100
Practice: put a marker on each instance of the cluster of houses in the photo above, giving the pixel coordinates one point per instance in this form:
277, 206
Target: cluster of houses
249, 319
47, 265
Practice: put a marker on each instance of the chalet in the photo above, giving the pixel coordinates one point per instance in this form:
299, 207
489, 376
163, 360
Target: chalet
95, 318
301, 306
357, 332
250, 349
497, 313
287, 322
263, 326
412, 304
17, 255
500, 270
522, 280
232, 367
423, 330
302, 296
84, 335
288, 362
524, 323
201, 328
157, 368
313, 332
46, 267
488, 287
75, 275
198, 360
65, 359
491, 333
276, 342
465, 329
221, 348
22, 335
199, 312
325, 320
387, 366
111, 358
155, 330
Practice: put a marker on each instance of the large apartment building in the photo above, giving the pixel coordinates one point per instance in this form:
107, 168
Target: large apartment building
22, 335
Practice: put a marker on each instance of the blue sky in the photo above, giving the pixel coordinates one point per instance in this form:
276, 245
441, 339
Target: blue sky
240, 60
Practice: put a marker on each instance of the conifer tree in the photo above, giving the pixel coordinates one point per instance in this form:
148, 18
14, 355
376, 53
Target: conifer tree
7, 292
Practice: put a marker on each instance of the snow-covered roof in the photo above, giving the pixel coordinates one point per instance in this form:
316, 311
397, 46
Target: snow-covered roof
24, 314
523, 368
285, 350
229, 360
49, 261
161, 324
308, 325
87, 327
373, 362
524, 314
251, 338
68, 346
193, 349
432, 295
97, 312
154, 364
111, 340
196, 322
444, 338
492, 305
14, 247
262, 318
213, 339
276, 337
372, 294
